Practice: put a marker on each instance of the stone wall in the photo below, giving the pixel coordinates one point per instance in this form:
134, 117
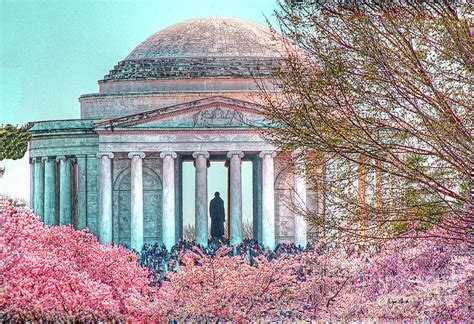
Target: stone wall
118, 105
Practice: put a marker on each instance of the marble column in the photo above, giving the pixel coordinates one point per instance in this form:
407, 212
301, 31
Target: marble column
105, 200
50, 217
136, 221
268, 199
39, 188
300, 204
200, 201
65, 190
169, 208
235, 196
81, 192
32, 183
93, 194
257, 197
179, 197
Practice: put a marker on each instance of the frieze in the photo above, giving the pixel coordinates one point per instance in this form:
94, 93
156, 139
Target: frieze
103, 133
190, 146
54, 151
218, 118
64, 141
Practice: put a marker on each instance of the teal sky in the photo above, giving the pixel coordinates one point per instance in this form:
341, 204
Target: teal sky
51, 52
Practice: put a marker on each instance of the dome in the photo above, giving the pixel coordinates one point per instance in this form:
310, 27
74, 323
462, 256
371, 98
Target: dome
208, 37
204, 47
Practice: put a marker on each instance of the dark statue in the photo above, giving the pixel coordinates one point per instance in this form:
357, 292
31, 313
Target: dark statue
217, 211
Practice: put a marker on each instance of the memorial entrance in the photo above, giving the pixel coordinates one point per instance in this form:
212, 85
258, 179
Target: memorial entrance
147, 151
218, 181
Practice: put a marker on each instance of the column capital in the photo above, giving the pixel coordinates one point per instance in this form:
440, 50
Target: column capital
173, 155
65, 158
231, 153
141, 155
265, 153
100, 155
45, 158
197, 153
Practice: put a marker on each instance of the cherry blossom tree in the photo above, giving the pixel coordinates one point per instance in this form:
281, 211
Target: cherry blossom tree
229, 288
421, 279
58, 273
407, 279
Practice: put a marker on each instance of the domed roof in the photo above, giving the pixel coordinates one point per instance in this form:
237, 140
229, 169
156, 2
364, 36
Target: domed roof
204, 47
209, 37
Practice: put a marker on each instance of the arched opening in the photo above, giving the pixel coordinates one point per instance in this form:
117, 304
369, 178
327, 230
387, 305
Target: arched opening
284, 218
152, 207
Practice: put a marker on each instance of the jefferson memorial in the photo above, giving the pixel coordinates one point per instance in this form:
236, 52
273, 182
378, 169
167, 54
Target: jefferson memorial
186, 93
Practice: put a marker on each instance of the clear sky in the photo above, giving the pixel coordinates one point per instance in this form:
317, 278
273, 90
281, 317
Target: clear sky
53, 51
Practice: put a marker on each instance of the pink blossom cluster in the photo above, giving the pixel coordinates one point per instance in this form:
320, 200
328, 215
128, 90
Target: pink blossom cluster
430, 279
57, 273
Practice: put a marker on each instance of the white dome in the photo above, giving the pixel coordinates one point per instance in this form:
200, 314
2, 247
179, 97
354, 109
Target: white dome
209, 37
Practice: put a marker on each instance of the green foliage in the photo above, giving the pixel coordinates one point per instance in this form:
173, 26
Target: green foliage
14, 141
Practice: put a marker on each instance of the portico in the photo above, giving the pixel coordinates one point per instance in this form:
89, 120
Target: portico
170, 214
204, 125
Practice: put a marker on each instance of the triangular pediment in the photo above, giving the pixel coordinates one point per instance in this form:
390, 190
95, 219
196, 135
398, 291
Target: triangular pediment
212, 112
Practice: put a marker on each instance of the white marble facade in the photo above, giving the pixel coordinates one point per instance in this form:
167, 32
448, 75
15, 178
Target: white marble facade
147, 189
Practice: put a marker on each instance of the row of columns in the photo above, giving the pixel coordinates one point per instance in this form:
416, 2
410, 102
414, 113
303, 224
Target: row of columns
44, 196
201, 198
44, 189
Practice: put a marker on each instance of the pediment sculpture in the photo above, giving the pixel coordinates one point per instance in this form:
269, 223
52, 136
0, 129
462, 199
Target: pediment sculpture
218, 118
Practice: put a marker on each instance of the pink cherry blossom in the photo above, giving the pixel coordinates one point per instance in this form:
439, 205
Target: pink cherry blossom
59, 274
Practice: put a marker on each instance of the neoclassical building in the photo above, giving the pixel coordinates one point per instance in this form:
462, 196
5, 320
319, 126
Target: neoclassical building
187, 93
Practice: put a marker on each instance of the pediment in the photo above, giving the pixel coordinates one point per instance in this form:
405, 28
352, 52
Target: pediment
213, 112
